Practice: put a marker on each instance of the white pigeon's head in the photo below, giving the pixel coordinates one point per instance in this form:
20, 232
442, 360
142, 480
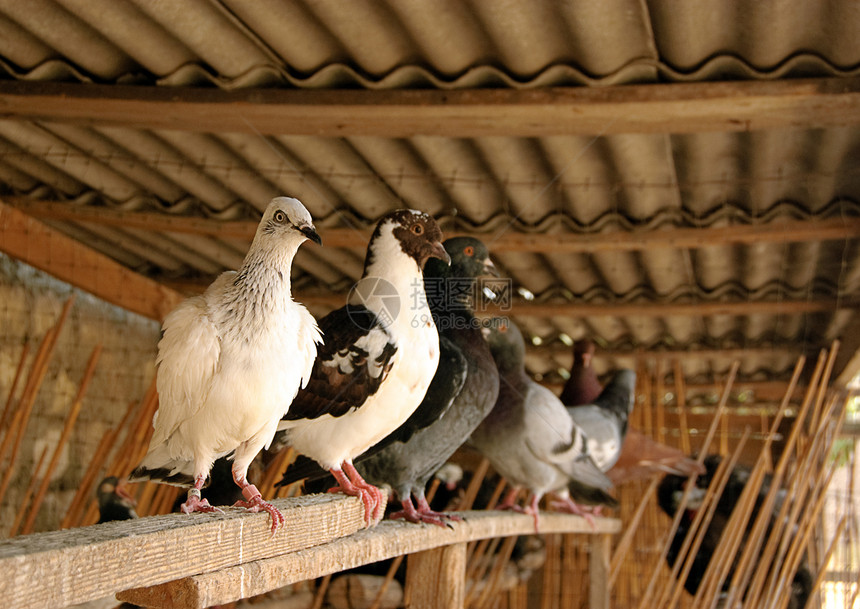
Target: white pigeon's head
409, 231
286, 216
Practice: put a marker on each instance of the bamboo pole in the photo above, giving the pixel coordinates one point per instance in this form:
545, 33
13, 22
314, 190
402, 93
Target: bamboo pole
21, 407
71, 419
19, 371
492, 583
825, 562
28, 398
760, 526
681, 392
632, 527
790, 557
73, 513
810, 400
667, 541
699, 527
28, 494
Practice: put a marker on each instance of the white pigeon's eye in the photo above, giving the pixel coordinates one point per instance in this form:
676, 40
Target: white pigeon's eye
417, 229
280, 217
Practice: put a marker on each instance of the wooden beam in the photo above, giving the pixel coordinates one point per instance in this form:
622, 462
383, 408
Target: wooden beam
436, 579
28, 240
560, 350
689, 309
779, 231
588, 111
62, 568
387, 540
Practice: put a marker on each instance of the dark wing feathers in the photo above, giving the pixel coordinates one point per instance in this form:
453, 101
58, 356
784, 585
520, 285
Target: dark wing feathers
351, 364
446, 385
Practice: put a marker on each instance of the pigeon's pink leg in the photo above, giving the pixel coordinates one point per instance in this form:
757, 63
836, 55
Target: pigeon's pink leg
533, 510
351, 483
566, 504
254, 501
424, 513
509, 501
194, 503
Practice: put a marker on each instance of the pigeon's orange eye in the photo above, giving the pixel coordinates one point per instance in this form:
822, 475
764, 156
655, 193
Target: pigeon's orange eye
280, 217
417, 229
469, 250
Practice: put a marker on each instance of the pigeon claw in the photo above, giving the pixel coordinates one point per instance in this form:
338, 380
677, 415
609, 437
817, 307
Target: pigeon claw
354, 485
195, 504
254, 502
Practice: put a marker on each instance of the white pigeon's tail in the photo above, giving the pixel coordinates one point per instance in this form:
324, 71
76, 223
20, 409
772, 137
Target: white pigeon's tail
158, 466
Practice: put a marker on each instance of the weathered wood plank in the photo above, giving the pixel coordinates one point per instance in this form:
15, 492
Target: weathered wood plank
779, 231
599, 554
593, 111
436, 579
39, 245
60, 568
386, 540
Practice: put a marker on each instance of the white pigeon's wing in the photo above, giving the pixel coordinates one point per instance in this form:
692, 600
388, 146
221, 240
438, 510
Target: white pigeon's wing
353, 361
188, 355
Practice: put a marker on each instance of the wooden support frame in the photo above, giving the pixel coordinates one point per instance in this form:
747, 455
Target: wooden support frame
28, 240
225, 557
588, 111
779, 231
387, 540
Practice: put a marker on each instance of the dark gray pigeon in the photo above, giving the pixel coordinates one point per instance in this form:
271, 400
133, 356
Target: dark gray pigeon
529, 437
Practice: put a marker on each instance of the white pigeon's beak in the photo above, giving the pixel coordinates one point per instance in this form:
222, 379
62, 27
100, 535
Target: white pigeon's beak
310, 232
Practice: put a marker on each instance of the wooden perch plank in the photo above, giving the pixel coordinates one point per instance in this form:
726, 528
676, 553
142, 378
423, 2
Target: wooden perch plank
26, 239
386, 540
61, 568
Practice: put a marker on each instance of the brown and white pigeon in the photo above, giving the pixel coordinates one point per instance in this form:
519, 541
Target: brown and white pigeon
230, 362
381, 351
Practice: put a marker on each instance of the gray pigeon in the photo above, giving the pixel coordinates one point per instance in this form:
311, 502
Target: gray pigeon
529, 437
605, 420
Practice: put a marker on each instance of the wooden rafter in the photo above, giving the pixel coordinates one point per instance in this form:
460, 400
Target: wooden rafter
652, 108
781, 231
558, 349
28, 240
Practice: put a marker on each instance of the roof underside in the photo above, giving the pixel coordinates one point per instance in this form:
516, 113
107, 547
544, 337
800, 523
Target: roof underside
564, 121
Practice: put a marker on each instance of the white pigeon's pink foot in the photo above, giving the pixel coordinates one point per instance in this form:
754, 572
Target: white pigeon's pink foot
351, 483
254, 502
195, 504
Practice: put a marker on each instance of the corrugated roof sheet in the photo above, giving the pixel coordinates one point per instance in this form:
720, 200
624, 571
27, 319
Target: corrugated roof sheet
573, 184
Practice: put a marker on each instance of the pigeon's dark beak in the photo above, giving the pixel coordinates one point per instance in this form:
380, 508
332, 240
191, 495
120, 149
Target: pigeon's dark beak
122, 492
437, 250
490, 268
309, 232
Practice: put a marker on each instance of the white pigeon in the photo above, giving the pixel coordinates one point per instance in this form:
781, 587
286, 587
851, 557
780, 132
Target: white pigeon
230, 362
381, 351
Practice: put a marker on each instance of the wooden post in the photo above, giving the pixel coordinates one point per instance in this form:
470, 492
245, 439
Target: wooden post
436, 579
598, 571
